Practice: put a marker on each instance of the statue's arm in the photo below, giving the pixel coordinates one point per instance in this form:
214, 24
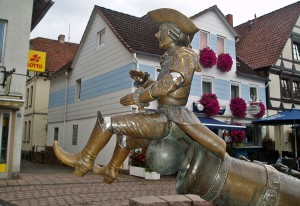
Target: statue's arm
169, 83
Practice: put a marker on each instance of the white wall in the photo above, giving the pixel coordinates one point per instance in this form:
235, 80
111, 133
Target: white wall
18, 16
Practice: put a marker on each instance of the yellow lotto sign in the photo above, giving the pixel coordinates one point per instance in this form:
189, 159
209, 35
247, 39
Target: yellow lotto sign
36, 61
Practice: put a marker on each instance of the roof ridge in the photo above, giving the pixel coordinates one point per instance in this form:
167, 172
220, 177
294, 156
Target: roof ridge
55, 40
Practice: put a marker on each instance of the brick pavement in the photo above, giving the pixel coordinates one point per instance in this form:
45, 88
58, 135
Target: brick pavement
60, 187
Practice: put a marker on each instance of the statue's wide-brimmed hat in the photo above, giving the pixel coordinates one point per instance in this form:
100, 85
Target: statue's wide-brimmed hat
170, 15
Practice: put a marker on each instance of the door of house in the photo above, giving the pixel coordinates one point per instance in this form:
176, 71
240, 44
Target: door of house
4, 142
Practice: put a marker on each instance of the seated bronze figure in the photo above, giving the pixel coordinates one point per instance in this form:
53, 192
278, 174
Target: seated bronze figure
204, 168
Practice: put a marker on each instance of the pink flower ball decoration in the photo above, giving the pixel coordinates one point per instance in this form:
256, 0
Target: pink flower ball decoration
224, 62
211, 104
238, 107
207, 58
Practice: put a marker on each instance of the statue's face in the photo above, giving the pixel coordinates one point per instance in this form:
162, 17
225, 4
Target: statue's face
163, 37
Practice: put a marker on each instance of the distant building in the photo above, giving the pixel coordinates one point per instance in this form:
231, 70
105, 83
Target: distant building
112, 44
270, 44
58, 54
17, 19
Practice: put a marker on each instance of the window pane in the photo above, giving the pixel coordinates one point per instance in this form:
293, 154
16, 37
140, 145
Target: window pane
56, 130
203, 40
234, 91
253, 93
2, 27
25, 131
31, 96
206, 87
296, 89
75, 134
78, 89
100, 37
220, 45
285, 88
296, 48
29, 130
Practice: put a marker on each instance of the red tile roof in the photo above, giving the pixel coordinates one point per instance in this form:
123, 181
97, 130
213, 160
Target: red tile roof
57, 54
263, 39
135, 33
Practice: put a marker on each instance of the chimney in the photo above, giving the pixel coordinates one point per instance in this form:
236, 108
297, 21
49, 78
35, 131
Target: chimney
61, 38
229, 19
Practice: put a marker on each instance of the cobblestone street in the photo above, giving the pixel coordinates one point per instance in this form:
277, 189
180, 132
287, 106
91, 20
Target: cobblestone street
58, 186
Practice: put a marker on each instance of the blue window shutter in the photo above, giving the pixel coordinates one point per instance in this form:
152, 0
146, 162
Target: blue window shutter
196, 42
231, 48
222, 89
246, 92
196, 86
262, 94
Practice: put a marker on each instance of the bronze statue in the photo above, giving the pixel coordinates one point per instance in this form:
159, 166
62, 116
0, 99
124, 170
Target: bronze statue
204, 168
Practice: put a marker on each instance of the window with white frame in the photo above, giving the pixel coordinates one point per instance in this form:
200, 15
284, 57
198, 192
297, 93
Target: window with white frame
27, 97
2, 40
78, 89
204, 39
220, 45
235, 90
253, 93
25, 132
75, 134
29, 131
100, 37
31, 96
206, 85
56, 132
296, 51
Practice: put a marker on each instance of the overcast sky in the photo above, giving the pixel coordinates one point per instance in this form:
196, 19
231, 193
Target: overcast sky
75, 13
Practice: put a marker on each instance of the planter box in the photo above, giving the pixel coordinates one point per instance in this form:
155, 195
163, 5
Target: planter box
152, 176
137, 171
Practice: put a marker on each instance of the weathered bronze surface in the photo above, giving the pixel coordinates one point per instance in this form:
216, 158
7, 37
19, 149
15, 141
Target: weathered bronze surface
176, 140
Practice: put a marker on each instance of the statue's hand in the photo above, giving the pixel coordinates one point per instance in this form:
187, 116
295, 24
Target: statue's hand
127, 100
138, 76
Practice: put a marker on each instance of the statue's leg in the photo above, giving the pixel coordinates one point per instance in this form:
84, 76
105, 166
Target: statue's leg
111, 171
205, 137
84, 160
134, 126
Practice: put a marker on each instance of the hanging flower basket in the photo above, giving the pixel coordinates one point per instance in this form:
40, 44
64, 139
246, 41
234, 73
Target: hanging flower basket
238, 107
262, 110
211, 104
207, 58
224, 62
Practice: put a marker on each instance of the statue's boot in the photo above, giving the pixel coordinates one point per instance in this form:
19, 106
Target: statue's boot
111, 171
84, 161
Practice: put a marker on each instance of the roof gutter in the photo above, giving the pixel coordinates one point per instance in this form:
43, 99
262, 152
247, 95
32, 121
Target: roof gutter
146, 53
253, 76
